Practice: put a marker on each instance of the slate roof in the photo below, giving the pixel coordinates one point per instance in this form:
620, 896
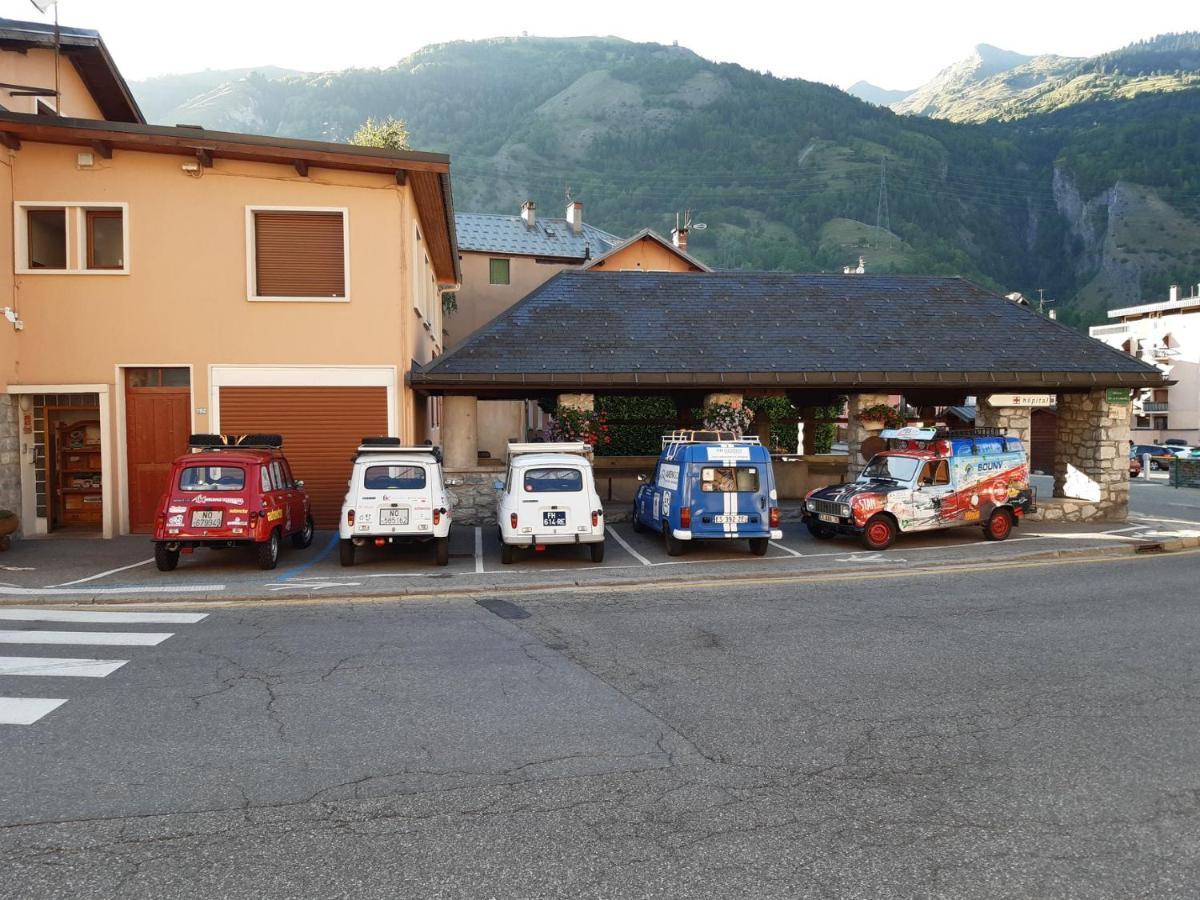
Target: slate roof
482, 233
640, 329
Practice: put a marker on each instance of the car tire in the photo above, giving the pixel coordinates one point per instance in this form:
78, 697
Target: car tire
597, 551
758, 546
268, 551
165, 559
675, 546
506, 553
879, 533
637, 523
821, 531
304, 537
999, 525
346, 552
442, 550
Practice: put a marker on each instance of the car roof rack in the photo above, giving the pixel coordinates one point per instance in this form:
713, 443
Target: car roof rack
241, 441
706, 436
395, 445
578, 448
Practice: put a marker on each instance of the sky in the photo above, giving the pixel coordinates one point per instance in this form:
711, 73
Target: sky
894, 45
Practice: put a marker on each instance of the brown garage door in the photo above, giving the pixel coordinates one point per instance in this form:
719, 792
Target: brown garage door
321, 426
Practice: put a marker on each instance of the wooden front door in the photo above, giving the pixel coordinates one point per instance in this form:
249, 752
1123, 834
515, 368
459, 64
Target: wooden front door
157, 424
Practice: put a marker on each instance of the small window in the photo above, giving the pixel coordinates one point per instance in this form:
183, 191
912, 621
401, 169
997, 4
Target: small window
105, 238
299, 254
394, 478
265, 484
553, 481
936, 472
47, 230
212, 478
729, 479
498, 271
281, 483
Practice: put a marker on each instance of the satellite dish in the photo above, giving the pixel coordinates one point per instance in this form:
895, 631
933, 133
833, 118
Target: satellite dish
43, 5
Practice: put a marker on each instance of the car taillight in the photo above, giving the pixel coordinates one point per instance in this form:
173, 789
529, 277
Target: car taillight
595, 518
513, 520
253, 514
685, 517
350, 517
437, 516
774, 516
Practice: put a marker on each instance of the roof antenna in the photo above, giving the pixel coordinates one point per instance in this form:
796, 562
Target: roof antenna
42, 6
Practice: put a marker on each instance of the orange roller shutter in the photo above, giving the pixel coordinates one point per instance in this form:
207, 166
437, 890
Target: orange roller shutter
299, 254
321, 427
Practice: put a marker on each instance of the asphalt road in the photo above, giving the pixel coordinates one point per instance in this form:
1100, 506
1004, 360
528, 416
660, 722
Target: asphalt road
1022, 731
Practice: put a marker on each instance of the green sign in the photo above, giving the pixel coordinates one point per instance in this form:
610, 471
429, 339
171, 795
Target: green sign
1117, 395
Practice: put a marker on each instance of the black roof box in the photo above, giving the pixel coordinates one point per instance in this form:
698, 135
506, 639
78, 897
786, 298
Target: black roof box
257, 441
378, 441
198, 441
270, 441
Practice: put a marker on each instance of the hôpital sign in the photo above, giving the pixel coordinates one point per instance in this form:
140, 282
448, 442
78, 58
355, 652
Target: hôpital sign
1021, 400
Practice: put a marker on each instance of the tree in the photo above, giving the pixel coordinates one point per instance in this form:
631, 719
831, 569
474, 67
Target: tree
389, 134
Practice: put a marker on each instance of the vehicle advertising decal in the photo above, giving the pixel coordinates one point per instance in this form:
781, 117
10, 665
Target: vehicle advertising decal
275, 515
205, 498
668, 477
176, 509
728, 453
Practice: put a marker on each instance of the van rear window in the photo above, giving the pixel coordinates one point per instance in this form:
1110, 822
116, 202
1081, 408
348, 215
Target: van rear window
729, 479
212, 478
394, 478
545, 481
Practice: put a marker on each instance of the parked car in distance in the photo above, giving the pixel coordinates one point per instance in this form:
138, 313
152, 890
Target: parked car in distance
1135, 465
710, 485
549, 497
1175, 442
231, 492
1160, 456
396, 494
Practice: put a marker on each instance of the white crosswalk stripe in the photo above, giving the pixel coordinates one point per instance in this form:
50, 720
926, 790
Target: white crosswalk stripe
25, 710
69, 668
96, 638
14, 614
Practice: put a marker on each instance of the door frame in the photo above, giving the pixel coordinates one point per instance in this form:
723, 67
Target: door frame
122, 441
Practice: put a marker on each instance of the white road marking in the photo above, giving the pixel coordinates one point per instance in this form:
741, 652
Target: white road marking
17, 569
91, 638
628, 549
93, 592
25, 710
313, 585
871, 558
786, 549
1184, 505
478, 551
66, 668
13, 613
144, 562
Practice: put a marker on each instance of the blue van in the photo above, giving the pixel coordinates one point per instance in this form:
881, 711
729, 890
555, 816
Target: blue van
710, 485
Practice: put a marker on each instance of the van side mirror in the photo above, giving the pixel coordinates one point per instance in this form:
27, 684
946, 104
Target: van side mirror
300, 484
498, 484
642, 478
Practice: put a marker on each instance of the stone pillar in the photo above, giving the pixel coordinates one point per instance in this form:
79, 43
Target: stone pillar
1013, 421
460, 432
1090, 459
856, 432
581, 402
10, 454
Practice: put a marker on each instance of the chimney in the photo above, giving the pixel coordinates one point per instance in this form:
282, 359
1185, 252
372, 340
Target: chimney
1173, 295
679, 237
529, 213
575, 216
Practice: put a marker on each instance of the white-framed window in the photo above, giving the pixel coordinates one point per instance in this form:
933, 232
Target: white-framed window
70, 238
296, 253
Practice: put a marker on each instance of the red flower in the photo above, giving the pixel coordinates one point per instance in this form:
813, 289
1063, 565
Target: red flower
608, 440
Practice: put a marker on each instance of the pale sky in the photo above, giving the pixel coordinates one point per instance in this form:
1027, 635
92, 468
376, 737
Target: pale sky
895, 45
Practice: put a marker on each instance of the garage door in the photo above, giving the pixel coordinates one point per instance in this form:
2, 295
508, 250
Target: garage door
321, 427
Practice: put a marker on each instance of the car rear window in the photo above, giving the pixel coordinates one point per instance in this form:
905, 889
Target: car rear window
728, 479
394, 478
212, 478
545, 481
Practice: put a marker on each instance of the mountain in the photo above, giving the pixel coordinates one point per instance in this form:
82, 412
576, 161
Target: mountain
872, 93
787, 174
167, 93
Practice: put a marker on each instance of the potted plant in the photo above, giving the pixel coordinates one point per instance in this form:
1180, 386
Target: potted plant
733, 417
9, 523
879, 417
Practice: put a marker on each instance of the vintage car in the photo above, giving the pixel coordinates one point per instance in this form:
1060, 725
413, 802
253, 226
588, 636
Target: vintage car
396, 494
231, 491
548, 496
710, 485
928, 479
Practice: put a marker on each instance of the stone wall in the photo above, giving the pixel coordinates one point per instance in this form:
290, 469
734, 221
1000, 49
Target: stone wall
10, 454
1091, 469
856, 432
1011, 420
474, 496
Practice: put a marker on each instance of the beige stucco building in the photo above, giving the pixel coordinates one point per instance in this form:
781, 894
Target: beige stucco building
159, 281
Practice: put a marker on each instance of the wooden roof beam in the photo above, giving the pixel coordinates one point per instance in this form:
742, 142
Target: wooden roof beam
204, 157
301, 167
103, 149
401, 177
10, 140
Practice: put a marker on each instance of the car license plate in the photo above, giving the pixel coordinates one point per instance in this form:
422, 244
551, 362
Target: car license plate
393, 516
735, 520
557, 519
207, 518
825, 518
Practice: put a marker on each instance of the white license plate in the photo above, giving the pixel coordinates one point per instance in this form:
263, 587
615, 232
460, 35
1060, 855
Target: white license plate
825, 518
554, 519
393, 516
207, 518
735, 520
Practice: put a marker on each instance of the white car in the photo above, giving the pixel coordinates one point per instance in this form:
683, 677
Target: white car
549, 497
396, 494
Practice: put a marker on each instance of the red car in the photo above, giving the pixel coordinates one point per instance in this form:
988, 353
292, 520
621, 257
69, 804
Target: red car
231, 492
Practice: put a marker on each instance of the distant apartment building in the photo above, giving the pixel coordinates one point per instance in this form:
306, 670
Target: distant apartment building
1166, 334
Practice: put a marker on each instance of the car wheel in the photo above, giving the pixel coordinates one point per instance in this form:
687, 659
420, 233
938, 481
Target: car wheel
999, 525
821, 531
597, 551
268, 551
506, 553
637, 523
758, 546
879, 533
346, 552
442, 550
304, 536
674, 545
165, 559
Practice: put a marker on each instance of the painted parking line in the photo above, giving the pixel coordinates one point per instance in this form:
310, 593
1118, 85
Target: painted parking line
25, 710
786, 549
478, 550
60, 668
288, 574
628, 549
91, 638
99, 575
16, 614
11, 591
